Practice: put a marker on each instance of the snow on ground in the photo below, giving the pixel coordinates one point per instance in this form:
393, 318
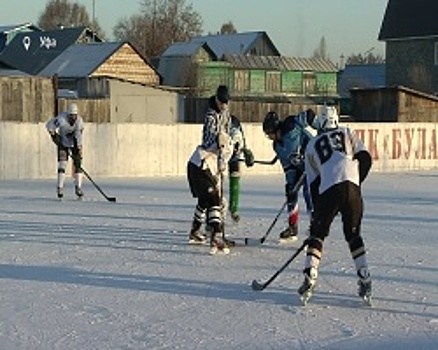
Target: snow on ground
101, 275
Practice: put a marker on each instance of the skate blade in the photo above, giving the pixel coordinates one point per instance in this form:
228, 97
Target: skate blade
217, 251
367, 300
288, 240
305, 297
196, 242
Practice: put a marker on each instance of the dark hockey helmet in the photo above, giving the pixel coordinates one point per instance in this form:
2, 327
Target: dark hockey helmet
222, 94
271, 123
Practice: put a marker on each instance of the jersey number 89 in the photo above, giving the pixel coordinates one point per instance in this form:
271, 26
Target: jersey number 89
329, 143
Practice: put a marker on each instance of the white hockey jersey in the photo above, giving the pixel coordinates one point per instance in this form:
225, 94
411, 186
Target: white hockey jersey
330, 155
68, 133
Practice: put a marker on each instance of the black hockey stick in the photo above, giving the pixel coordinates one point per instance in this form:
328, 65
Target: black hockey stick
264, 162
260, 286
110, 199
259, 241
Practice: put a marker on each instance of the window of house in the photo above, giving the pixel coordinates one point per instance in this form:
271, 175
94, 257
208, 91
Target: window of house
273, 82
241, 80
309, 83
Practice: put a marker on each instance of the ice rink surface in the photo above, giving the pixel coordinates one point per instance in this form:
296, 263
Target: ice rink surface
98, 275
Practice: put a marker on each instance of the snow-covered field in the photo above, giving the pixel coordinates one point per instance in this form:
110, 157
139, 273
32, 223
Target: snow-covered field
101, 275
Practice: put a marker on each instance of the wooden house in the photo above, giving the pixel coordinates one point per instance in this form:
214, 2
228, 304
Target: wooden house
358, 76
249, 63
85, 67
410, 32
178, 64
393, 104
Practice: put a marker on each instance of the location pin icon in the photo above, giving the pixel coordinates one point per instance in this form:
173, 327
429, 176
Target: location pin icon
26, 43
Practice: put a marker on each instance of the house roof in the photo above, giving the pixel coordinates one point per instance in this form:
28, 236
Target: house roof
6, 29
409, 19
187, 49
281, 63
10, 28
234, 44
32, 51
80, 60
361, 76
11, 73
7, 71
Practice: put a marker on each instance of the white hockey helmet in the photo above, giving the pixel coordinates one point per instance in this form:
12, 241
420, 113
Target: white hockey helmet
328, 119
72, 108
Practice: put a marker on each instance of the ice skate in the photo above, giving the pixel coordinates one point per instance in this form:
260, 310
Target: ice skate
218, 245
79, 192
60, 193
306, 289
364, 285
197, 237
235, 217
289, 235
229, 242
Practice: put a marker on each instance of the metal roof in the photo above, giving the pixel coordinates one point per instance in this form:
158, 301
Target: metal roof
186, 49
361, 76
11, 73
409, 19
16, 27
281, 63
32, 51
233, 44
80, 60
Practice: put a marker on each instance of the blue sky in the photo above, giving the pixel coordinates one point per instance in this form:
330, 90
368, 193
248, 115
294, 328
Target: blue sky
295, 26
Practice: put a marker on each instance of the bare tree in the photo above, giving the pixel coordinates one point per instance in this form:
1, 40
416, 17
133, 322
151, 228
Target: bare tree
368, 58
321, 50
67, 14
159, 24
228, 28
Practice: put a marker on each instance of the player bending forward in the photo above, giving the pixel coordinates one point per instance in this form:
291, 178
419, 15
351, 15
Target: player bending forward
336, 164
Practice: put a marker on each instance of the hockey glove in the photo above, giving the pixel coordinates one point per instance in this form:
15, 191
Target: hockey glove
365, 163
56, 138
297, 161
249, 157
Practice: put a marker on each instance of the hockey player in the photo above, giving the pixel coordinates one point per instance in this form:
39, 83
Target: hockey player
66, 132
336, 163
240, 149
290, 138
205, 172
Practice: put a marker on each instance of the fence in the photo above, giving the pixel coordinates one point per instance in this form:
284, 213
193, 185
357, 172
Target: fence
146, 150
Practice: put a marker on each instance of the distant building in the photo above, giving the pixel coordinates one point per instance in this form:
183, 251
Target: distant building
119, 60
32, 51
8, 32
249, 63
358, 76
410, 31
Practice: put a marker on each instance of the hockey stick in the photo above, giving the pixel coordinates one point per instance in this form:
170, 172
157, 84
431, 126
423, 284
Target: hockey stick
259, 241
260, 286
110, 199
264, 162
